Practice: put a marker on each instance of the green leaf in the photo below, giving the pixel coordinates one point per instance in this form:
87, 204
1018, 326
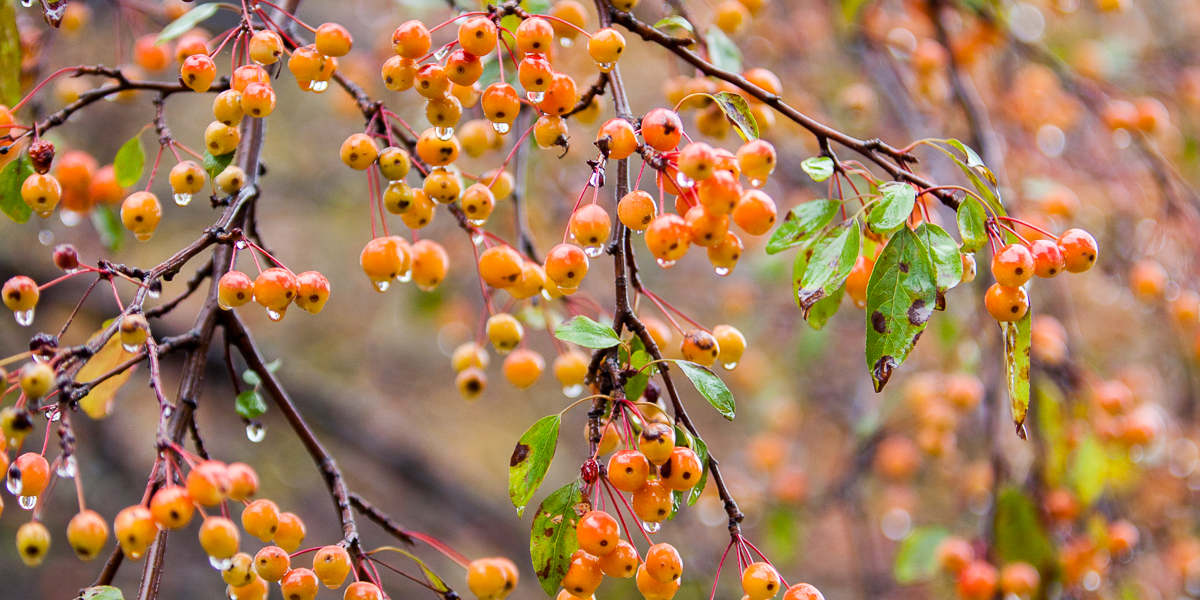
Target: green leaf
214, 165
11, 178
1089, 473
636, 385
819, 168
676, 502
947, 261
187, 21
434, 581
130, 161
722, 52
738, 111
1016, 367
530, 460
801, 223
250, 405
900, 299
674, 21
710, 386
701, 450
832, 259
108, 226
825, 308
1018, 533
894, 208
971, 228
585, 332
10, 56
976, 172
251, 378
916, 560
552, 541
102, 592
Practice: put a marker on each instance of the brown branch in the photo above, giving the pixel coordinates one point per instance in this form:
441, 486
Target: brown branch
380, 518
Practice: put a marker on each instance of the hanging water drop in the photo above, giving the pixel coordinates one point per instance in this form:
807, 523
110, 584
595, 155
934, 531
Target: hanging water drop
382, 285
536, 97
427, 287
684, 181
606, 67
275, 315
572, 391
255, 432
68, 467
26, 3
154, 290
183, 199
54, 416
27, 502
443, 133
441, 53
501, 128
131, 348
70, 218
593, 251
45, 237
220, 564
649, 527
24, 317
405, 277
730, 366
666, 264
477, 222
477, 237
723, 271
595, 179
757, 183
240, 244
320, 86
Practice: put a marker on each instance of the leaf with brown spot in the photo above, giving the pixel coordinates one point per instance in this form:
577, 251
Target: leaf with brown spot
833, 257
553, 535
801, 223
899, 303
530, 460
944, 253
1016, 365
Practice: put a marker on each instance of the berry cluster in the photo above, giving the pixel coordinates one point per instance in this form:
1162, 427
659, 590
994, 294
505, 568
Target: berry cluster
1015, 264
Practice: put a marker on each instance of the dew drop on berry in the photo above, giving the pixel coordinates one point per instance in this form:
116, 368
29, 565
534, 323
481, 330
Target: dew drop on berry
24, 317
443, 133
382, 285
757, 183
70, 218
26, 3
477, 222
255, 432
14, 484
220, 564
46, 237
427, 288
723, 271
183, 199
605, 67
593, 251
572, 391
729, 366
27, 502
405, 277
320, 86
68, 467
441, 53
649, 527
536, 97
666, 264
501, 128
129, 348
275, 315
684, 181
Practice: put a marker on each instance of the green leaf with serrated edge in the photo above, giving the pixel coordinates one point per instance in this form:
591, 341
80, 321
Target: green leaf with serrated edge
530, 460
701, 450
12, 177
894, 208
832, 259
674, 21
214, 165
710, 386
107, 222
250, 405
552, 541
825, 308
187, 21
585, 332
130, 161
971, 225
917, 560
1016, 367
1018, 534
102, 592
947, 261
801, 223
722, 52
738, 110
819, 168
900, 298
10, 56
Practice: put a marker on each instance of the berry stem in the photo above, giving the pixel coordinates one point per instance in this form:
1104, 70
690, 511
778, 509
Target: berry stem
455, 18
39, 86
288, 15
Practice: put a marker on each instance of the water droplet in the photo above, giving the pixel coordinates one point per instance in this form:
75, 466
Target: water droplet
130, 348
536, 97
223, 305
275, 315
593, 251
220, 564
684, 181
895, 524
723, 271
68, 467
757, 183
501, 128
54, 416
134, 555
183, 199
477, 222
477, 237
405, 277
382, 285
46, 237
441, 53
155, 289
255, 432
26, 3
606, 67
443, 133
27, 502
730, 366
167, 411
566, 42
70, 218
649, 527
320, 86
24, 317
594, 180
666, 264
15, 485
427, 287
573, 391
240, 244
143, 236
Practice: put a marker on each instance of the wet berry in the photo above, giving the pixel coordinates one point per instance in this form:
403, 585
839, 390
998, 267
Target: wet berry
1012, 265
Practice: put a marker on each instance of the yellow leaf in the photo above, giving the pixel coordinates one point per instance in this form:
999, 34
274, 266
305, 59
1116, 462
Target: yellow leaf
98, 403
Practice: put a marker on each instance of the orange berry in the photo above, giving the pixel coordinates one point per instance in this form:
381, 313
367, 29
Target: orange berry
652, 588
764, 79
384, 259
331, 565
803, 591
590, 227
86, 533
597, 533
1078, 249
636, 210
732, 345
135, 529
1048, 258
462, 68
534, 36
583, 575
312, 291
1019, 578
500, 103
682, 471
560, 97
535, 73
954, 554
359, 151
977, 581
550, 131
333, 40
255, 589
491, 578
523, 367
234, 289
572, 12
566, 265
1012, 265
757, 160
1006, 303
198, 72
36, 380
700, 347
399, 73
412, 40
760, 581
149, 55
754, 212
261, 519
274, 290
500, 266
856, 282
725, 254
431, 81
667, 238
220, 138
652, 501
720, 193
258, 100
706, 229
227, 109
299, 584
272, 563
570, 369
605, 47
219, 537
41, 193
208, 483
1123, 537
617, 139
266, 47
622, 562
477, 35
435, 151
430, 263
628, 469
33, 541
664, 563
363, 590
470, 382
656, 442
243, 481
290, 533
171, 507
662, 129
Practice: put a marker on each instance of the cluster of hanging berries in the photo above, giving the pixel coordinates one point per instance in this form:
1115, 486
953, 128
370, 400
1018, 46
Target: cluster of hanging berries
1013, 265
